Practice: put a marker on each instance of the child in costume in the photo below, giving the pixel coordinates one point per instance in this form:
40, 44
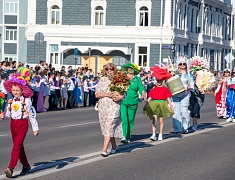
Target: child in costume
220, 95
130, 102
157, 105
19, 110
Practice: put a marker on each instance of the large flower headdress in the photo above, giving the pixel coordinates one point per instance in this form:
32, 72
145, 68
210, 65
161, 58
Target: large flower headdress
21, 79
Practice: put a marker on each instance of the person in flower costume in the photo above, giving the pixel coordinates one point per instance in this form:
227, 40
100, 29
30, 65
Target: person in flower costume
130, 102
19, 110
203, 81
157, 106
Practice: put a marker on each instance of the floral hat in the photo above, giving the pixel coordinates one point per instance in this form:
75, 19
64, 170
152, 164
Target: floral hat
20, 79
198, 63
131, 68
160, 73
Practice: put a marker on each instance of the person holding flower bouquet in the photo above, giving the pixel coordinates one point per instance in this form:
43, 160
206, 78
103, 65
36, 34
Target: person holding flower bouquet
19, 110
109, 109
129, 104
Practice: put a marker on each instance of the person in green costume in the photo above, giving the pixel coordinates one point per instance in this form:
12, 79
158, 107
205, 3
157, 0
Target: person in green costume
130, 101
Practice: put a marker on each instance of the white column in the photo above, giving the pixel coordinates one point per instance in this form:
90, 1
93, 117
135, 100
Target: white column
182, 16
219, 60
215, 59
186, 18
167, 16
203, 17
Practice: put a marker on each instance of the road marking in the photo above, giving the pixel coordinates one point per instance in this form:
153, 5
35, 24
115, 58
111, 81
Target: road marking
3, 135
84, 159
71, 125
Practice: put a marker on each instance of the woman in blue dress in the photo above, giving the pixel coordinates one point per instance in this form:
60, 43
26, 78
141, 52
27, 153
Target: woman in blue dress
78, 90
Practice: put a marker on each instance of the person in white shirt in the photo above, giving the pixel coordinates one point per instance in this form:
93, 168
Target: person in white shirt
70, 87
19, 110
86, 90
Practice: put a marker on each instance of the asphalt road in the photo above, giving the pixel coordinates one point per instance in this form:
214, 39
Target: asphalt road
70, 142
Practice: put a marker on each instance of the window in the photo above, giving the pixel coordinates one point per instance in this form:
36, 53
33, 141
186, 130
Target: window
99, 16
54, 55
11, 34
10, 58
11, 6
55, 15
143, 16
142, 56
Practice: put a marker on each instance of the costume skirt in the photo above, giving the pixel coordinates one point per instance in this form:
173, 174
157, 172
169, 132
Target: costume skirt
159, 108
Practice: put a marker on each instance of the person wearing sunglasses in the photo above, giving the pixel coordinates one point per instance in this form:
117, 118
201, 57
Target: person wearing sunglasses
181, 117
129, 104
109, 110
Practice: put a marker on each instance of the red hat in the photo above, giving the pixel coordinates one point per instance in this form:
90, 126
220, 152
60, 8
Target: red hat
160, 73
21, 79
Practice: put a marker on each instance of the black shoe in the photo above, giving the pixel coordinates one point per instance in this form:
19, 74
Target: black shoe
25, 170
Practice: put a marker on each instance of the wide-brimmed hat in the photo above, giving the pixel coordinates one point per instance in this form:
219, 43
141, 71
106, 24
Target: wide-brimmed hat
131, 68
160, 73
21, 79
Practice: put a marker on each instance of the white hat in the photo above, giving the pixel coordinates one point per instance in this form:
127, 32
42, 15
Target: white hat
181, 59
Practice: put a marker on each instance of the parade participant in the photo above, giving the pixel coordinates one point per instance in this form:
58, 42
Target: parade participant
230, 99
20, 109
204, 81
129, 104
181, 117
220, 95
157, 106
109, 110
195, 102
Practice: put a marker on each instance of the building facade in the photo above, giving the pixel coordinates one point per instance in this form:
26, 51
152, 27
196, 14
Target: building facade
94, 32
13, 25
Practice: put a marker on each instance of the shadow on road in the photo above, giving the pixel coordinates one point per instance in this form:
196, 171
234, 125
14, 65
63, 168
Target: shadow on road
58, 164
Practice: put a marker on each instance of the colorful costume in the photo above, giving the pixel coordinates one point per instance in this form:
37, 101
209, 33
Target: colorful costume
130, 102
230, 100
158, 106
220, 98
19, 110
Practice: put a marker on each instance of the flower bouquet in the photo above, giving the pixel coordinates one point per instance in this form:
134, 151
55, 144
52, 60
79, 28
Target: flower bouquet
119, 83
